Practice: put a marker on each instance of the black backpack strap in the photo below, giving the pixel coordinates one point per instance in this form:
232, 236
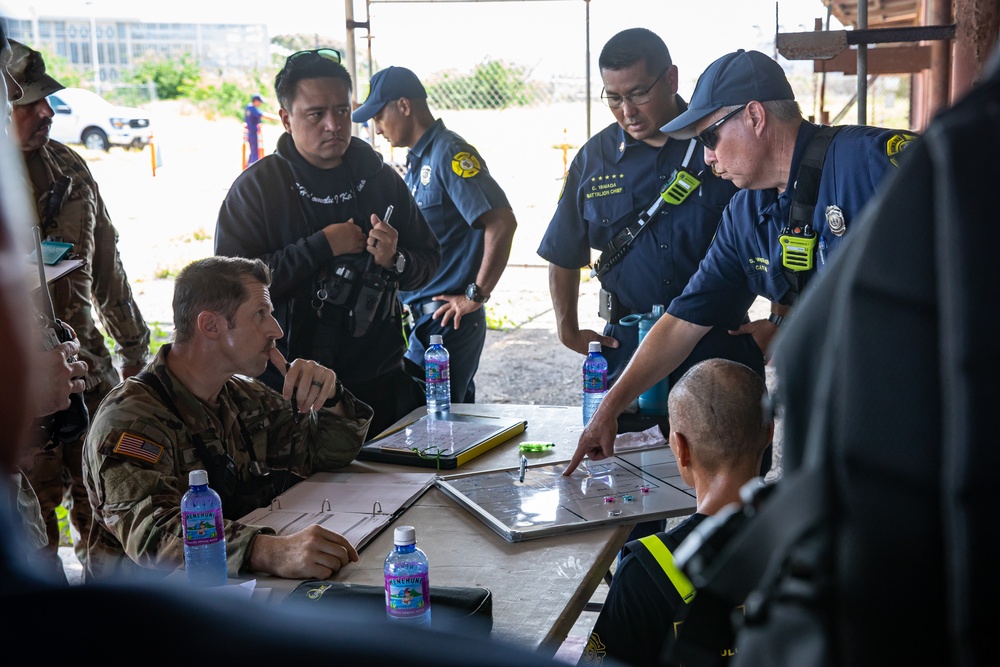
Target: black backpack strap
810, 172
150, 379
807, 192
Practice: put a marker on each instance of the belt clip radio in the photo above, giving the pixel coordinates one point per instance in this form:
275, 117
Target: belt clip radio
798, 247
682, 184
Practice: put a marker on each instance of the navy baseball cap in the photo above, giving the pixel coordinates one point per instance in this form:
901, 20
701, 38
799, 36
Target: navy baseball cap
387, 85
256, 98
735, 78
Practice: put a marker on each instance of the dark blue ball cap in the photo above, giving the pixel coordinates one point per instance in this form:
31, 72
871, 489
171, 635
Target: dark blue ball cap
735, 78
387, 85
256, 98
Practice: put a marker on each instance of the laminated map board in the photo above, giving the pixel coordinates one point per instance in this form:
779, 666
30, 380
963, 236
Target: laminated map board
442, 442
628, 488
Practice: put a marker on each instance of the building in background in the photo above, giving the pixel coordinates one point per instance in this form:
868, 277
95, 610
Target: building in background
115, 43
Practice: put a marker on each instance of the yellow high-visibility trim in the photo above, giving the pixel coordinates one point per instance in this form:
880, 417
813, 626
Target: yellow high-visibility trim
666, 560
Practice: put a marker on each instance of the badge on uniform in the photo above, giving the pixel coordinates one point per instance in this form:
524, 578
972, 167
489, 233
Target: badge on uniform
896, 144
425, 174
138, 447
465, 164
835, 220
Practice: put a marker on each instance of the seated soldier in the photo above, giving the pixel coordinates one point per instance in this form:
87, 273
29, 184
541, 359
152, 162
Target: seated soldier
196, 407
718, 433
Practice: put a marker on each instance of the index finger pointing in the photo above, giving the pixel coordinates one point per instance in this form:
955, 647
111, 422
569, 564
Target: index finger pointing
279, 361
574, 462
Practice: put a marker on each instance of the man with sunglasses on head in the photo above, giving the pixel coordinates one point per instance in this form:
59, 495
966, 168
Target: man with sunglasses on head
317, 212
614, 179
801, 188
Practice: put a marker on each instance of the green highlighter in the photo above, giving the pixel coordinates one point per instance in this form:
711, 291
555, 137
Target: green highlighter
536, 446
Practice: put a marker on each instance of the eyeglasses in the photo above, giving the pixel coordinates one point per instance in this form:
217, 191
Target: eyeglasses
637, 98
328, 54
710, 135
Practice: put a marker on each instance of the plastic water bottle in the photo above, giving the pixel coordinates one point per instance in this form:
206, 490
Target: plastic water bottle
595, 380
653, 401
204, 533
437, 372
407, 587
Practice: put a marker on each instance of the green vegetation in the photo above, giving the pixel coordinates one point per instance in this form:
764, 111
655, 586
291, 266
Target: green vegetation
60, 69
498, 321
157, 337
172, 78
163, 272
493, 84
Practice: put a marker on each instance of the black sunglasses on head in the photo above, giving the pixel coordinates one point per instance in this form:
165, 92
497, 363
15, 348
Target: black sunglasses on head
710, 135
312, 54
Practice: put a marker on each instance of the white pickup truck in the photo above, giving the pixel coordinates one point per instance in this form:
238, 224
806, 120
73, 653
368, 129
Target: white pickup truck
84, 117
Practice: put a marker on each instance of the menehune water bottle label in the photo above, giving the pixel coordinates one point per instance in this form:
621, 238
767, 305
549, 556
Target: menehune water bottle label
594, 381
202, 527
437, 372
406, 596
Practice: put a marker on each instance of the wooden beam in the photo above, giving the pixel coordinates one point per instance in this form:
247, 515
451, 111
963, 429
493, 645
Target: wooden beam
886, 60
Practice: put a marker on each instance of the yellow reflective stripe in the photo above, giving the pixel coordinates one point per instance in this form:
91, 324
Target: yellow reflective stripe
666, 560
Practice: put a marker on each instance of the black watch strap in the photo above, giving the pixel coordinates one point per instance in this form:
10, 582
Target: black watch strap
776, 319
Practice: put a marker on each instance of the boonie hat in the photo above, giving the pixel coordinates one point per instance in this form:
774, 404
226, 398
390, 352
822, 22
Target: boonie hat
735, 78
387, 85
28, 69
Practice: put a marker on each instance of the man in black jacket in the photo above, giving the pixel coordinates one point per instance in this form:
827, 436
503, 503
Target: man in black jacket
317, 212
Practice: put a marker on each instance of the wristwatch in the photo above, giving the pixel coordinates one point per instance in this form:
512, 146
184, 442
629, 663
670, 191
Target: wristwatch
472, 293
775, 319
399, 262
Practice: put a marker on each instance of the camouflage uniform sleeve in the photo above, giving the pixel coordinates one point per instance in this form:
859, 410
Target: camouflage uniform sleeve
135, 485
112, 292
322, 441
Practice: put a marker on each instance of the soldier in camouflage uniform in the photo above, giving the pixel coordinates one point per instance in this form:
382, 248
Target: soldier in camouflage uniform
196, 406
81, 219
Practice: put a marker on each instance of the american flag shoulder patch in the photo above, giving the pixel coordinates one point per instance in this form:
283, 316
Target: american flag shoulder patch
138, 447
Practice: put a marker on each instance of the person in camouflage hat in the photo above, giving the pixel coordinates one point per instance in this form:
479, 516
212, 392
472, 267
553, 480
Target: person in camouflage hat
196, 406
81, 218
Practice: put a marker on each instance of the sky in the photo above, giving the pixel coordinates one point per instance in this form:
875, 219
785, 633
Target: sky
547, 36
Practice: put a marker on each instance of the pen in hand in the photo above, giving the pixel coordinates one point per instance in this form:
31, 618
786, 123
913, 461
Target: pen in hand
388, 214
278, 360
296, 415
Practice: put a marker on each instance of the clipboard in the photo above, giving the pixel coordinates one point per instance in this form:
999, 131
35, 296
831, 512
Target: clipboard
442, 442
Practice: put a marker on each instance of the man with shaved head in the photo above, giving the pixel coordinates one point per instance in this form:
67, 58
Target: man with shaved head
718, 432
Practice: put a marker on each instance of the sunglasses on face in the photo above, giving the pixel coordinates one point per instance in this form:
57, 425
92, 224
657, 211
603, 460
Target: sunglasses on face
302, 57
710, 135
636, 99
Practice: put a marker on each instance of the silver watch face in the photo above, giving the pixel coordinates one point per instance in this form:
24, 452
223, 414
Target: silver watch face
400, 262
